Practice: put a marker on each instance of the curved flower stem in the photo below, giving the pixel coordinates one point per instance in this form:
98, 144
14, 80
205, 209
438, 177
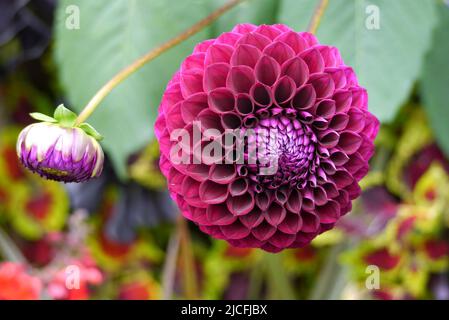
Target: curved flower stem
9, 250
188, 261
130, 69
317, 15
169, 269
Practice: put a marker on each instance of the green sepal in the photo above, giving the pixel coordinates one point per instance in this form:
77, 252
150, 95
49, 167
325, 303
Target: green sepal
42, 117
64, 116
87, 128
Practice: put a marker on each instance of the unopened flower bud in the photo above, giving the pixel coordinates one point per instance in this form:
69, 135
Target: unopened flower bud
58, 150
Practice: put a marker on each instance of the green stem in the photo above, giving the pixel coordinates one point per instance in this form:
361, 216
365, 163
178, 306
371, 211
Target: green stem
169, 270
9, 250
139, 63
317, 15
189, 275
332, 276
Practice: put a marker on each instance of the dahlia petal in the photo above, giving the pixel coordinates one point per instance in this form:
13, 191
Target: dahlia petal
308, 202
235, 231
199, 172
267, 70
342, 178
351, 78
229, 38
244, 104
221, 100
252, 219
198, 215
294, 201
339, 158
261, 95
313, 59
213, 231
310, 222
291, 224
366, 150
244, 28
231, 121
192, 106
343, 100
281, 240
240, 79
263, 200
349, 142
325, 108
190, 190
361, 173
319, 195
331, 190
248, 242
331, 58
263, 231
294, 40
268, 31
219, 215
191, 82
275, 214
309, 37
240, 205
270, 248
284, 90
215, 76
279, 51
304, 97
323, 84
212, 193
222, 173
339, 121
209, 120
297, 70
338, 76
356, 121
250, 121
354, 189
255, 39
174, 118
203, 46
238, 187
280, 195
329, 212
328, 138
320, 123
217, 53
194, 61
246, 55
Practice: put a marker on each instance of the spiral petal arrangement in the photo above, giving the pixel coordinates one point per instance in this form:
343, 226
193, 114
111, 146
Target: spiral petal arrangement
267, 78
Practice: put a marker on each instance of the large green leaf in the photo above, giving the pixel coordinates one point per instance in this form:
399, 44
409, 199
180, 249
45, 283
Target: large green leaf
113, 34
388, 60
250, 11
435, 81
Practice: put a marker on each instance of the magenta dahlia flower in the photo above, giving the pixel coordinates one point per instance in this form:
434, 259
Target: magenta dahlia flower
305, 174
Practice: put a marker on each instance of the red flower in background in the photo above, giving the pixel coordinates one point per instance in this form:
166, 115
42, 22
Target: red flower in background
16, 284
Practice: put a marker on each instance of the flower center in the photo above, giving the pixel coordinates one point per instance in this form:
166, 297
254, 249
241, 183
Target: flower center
285, 153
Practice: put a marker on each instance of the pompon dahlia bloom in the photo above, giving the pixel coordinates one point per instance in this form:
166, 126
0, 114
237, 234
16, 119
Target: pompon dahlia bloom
266, 78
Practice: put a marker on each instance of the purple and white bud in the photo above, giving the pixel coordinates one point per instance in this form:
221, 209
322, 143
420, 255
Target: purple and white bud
60, 153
